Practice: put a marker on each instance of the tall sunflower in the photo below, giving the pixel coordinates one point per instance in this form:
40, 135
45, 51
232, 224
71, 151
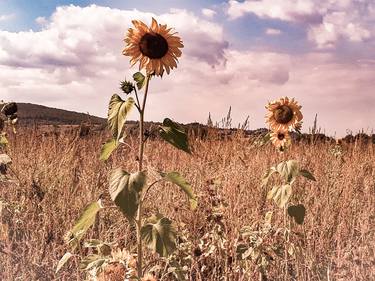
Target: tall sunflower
283, 114
156, 48
281, 139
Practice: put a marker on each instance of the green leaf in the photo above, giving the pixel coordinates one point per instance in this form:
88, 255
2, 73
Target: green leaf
280, 194
125, 191
117, 114
176, 178
307, 175
140, 79
297, 212
107, 149
63, 261
84, 222
174, 134
159, 235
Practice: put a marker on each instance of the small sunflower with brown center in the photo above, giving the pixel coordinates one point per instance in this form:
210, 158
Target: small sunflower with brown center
280, 139
156, 48
283, 114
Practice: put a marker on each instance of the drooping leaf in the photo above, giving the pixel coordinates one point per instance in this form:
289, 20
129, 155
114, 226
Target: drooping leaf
176, 178
307, 175
125, 190
84, 222
91, 261
289, 170
280, 194
3, 141
174, 134
297, 212
267, 175
117, 114
272, 192
63, 261
107, 149
140, 79
159, 235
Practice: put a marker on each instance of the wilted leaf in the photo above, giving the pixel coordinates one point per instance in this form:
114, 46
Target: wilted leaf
125, 191
240, 250
282, 195
3, 140
297, 212
272, 192
159, 235
140, 79
177, 270
5, 159
307, 175
84, 222
268, 217
91, 261
267, 175
174, 134
176, 178
288, 170
63, 261
92, 243
117, 113
107, 149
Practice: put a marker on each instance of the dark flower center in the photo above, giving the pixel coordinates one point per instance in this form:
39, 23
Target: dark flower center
283, 114
153, 45
281, 136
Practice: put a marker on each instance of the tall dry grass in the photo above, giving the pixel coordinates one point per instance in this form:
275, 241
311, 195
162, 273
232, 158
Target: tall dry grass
56, 176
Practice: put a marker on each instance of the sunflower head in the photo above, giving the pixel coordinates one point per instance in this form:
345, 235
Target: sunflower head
9, 109
280, 139
283, 114
156, 48
127, 87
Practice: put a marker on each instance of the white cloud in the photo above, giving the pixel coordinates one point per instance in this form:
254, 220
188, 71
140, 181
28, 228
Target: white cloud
41, 20
6, 17
273, 31
289, 10
339, 25
327, 22
208, 13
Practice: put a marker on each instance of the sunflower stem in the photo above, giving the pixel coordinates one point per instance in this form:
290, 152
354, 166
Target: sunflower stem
140, 167
138, 104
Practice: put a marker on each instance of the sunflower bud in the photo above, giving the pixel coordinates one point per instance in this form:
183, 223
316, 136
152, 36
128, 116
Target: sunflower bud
126, 87
9, 109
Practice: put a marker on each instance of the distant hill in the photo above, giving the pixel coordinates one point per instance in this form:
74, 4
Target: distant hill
30, 114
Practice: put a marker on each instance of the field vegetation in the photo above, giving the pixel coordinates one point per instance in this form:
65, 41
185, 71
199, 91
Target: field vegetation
54, 177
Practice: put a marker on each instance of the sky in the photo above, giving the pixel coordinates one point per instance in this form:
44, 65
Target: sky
243, 54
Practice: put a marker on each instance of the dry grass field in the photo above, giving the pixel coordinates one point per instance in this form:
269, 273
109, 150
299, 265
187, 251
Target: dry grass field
56, 176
